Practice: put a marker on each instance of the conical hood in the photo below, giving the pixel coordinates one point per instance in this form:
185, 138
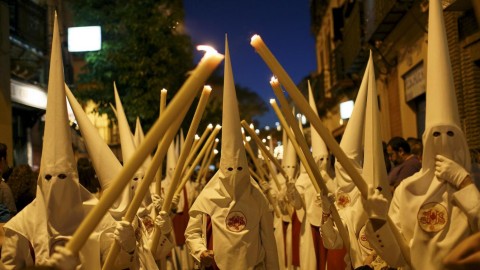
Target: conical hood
233, 159
171, 161
290, 159
59, 189
443, 134
352, 140
439, 73
138, 134
284, 144
374, 169
104, 161
138, 138
126, 138
319, 149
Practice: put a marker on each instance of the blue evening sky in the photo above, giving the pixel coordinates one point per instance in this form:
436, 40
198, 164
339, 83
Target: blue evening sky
284, 26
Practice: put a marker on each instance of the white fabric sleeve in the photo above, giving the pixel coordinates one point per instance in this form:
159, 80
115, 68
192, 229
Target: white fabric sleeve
298, 199
383, 240
195, 236
124, 259
268, 240
15, 251
467, 200
330, 235
165, 245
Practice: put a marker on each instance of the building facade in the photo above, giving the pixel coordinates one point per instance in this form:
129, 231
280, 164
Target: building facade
396, 33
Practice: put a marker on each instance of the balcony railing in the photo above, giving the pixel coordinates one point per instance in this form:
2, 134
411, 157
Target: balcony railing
28, 24
383, 16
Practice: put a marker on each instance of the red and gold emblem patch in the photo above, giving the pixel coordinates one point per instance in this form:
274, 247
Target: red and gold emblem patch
343, 200
432, 217
362, 239
236, 221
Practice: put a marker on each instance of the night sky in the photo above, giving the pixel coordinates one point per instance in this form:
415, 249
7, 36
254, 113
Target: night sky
284, 26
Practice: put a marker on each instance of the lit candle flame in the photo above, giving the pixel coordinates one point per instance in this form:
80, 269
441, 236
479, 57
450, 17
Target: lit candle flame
218, 127
207, 87
273, 80
210, 126
209, 50
164, 90
272, 100
254, 38
217, 140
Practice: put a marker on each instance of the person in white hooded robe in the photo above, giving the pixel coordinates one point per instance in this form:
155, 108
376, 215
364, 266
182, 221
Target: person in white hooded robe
436, 208
281, 225
134, 237
354, 216
37, 234
314, 254
240, 219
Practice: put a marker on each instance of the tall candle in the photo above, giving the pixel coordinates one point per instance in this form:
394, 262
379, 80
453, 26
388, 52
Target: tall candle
182, 99
312, 117
145, 183
265, 151
288, 122
158, 176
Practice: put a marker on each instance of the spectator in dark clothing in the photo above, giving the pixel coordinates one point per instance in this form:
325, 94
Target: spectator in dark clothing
87, 175
5, 171
23, 183
416, 147
405, 163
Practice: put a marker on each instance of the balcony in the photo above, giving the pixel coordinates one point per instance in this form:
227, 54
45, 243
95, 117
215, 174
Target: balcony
28, 22
354, 54
381, 17
28, 39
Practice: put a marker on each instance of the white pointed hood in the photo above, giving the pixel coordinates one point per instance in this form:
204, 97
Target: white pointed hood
290, 160
319, 149
441, 94
171, 162
138, 138
138, 133
272, 151
234, 174
104, 161
374, 170
58, 187
126, 139
443, 134
352, 140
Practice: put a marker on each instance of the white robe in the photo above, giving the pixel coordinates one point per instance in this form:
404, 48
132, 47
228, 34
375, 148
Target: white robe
280, 239
181, 253
242, 230
354, 219
27, 241
431, 224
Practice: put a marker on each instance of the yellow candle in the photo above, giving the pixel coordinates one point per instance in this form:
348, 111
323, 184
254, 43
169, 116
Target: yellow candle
312, 171
198, 144
145, 183
265, 151
190, 171
294, 139
304, 106
181, 160
203, 177
182, 99
158, 176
